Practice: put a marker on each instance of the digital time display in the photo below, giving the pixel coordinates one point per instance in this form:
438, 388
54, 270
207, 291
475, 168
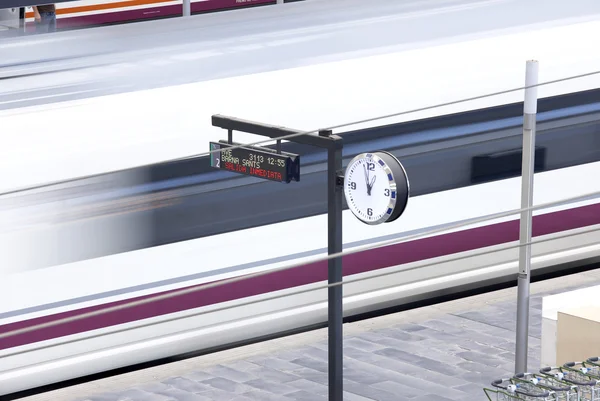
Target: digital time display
258, 162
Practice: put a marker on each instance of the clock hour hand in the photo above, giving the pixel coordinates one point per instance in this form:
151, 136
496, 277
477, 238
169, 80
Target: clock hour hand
373, 182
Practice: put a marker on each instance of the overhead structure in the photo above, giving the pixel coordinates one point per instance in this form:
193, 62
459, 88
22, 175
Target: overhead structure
333, 144
372, 205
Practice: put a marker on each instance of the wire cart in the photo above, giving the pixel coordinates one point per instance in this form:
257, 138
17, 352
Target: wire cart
560, 390
594, 361
512, 390
586, 368
588, 388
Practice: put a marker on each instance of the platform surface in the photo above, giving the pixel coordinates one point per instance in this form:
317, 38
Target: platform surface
448, 351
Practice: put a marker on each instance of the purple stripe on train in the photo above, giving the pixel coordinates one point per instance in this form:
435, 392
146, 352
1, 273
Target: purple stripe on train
141, 14
365, 261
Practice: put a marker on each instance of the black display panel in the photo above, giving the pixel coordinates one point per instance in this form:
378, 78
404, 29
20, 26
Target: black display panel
257, 162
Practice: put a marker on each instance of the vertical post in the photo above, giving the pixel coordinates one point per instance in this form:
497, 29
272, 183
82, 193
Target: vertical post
335, 305
187, 8
22, 25
279, 1
528, 162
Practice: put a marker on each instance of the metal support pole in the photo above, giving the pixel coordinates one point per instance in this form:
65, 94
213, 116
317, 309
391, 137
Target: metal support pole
335, 306
187, 8
279, 1
22, 25
528, 162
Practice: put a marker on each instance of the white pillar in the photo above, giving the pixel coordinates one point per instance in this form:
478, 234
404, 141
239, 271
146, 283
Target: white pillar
527, 172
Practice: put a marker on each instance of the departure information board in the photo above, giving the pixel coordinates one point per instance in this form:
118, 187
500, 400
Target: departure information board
256, 161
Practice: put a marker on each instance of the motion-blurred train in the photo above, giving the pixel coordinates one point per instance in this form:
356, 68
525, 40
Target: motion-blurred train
242, 225
86, 13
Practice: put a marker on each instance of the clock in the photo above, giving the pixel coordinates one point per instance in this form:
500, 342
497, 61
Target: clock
376, 187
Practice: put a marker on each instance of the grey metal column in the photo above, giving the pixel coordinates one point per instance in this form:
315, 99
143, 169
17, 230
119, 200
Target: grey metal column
187, 8
22, 25
528, 162
335, 304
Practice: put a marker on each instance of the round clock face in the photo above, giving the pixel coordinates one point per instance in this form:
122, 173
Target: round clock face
376, 187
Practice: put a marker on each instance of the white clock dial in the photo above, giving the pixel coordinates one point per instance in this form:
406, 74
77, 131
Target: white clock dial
371, 188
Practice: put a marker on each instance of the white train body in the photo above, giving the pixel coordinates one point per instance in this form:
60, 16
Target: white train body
327, 94
60, 289
118, 135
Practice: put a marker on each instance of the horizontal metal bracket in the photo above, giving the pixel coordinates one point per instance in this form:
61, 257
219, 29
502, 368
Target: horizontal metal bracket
324, 139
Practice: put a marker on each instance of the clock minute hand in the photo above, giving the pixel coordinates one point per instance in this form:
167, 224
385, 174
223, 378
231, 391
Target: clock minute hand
367, 179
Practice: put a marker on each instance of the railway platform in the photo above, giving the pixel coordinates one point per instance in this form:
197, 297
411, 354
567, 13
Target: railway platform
448, 351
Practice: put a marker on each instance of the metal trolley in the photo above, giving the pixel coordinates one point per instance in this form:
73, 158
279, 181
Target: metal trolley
511, 390
588, 368
560, 390
594, 361
588, 388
